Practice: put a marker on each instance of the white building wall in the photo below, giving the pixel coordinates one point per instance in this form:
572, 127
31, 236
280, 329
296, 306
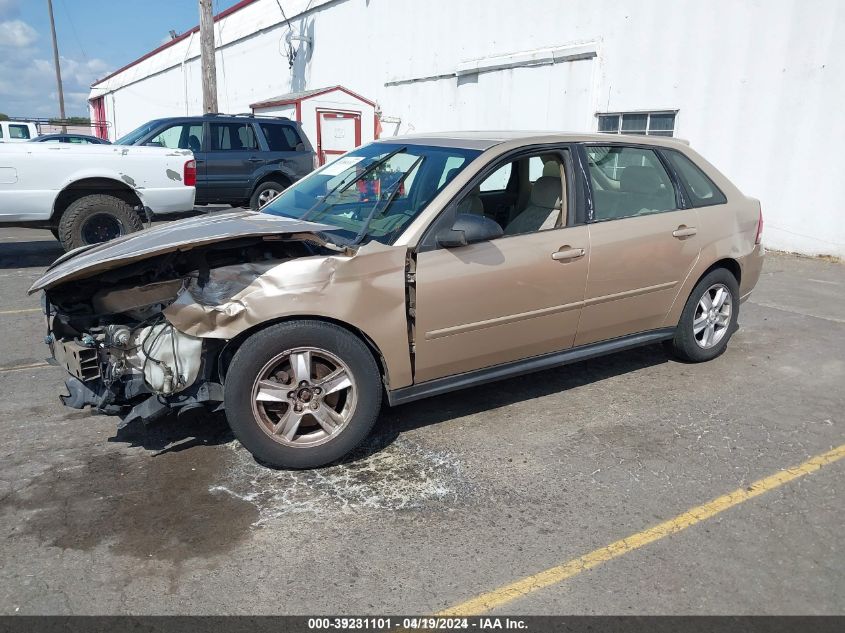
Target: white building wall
755, 82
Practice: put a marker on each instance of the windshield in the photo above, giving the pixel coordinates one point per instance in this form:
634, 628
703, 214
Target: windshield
373, 192
138, 133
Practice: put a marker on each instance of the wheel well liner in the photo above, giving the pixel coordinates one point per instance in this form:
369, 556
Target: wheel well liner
87, 186
731, 265
232, 345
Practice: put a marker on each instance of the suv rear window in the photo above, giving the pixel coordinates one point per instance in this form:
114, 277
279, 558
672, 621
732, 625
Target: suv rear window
233, 136
280, 137
702, 191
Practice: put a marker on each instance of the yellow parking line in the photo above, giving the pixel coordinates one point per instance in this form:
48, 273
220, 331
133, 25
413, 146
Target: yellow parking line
21, 367
508, 593
24, 311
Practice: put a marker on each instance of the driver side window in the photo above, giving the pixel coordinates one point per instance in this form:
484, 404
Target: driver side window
180, 136
525, 195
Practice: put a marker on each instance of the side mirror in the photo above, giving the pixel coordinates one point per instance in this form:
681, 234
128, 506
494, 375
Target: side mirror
469, 228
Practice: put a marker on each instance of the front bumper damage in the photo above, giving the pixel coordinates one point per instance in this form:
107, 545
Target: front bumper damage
208, 395
140, 376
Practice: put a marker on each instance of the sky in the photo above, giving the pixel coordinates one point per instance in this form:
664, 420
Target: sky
95, 37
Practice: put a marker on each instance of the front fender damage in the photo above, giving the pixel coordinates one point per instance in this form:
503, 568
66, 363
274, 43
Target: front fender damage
365, 290
151, 334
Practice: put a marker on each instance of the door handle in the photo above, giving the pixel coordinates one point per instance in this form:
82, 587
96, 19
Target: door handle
254, 159
567, 253
684, 231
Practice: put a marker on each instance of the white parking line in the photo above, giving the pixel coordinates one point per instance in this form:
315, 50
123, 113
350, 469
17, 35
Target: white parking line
793, 311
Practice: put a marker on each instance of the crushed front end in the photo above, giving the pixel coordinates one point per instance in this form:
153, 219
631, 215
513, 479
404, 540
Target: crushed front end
124, 358
107, 310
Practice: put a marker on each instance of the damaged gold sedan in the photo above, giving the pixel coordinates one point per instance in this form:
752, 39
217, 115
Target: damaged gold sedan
406, 268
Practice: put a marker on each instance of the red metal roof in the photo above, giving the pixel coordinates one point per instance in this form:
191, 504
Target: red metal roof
294, 97
222, 14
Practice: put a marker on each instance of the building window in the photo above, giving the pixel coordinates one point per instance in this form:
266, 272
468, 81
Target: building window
643, 123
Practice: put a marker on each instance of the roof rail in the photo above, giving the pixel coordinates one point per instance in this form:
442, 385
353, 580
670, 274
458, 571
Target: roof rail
261, 116
247, 114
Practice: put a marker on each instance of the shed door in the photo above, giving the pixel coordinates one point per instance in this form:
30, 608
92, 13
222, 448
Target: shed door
337, 133
100, 126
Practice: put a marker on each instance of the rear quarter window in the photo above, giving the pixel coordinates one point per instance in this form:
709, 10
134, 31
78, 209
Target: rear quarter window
280, 137
702, 191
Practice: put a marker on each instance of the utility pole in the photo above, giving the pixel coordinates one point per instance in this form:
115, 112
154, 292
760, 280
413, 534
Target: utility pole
56, 64
209, 66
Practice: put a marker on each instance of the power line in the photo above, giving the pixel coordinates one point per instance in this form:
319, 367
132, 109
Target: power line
75, 34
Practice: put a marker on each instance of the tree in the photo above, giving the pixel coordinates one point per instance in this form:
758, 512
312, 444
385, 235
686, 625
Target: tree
4, 117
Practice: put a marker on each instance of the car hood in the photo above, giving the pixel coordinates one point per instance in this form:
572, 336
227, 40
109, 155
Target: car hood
180, 235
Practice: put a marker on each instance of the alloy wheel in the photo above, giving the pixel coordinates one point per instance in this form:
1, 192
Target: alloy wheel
304, 397
712, 316
266, 196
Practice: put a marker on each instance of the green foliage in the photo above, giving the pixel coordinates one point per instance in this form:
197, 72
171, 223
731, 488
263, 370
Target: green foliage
4, 117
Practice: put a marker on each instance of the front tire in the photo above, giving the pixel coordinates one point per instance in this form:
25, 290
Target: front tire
96, 218
709, 318
302, 394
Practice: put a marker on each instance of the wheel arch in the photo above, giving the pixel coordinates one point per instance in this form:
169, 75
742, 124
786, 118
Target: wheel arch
276, 175
728, 263
95, 185
233, 344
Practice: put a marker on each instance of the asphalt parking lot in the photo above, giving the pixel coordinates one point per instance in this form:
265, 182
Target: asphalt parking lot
454, 497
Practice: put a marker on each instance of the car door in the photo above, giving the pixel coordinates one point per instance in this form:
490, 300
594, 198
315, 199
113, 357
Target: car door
505, 299
233, 155
643, 242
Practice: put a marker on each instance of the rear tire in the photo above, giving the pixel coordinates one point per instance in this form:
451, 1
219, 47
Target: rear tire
302, 394
709, 318
96, 218
264, 193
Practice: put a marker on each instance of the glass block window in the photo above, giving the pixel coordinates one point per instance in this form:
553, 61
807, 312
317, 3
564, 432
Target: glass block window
643, 123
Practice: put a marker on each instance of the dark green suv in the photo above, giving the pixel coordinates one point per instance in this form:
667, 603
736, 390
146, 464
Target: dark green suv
243, 160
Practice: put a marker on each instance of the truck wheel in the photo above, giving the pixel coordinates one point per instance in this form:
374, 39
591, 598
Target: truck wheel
96, 218
264, 193
302, 394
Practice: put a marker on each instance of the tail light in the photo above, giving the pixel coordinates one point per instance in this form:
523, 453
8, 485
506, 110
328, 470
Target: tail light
189, 175
759, 237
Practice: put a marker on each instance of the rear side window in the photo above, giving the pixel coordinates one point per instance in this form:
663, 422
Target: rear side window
233, 137
702, 191
628, 181
280, 137
18, 131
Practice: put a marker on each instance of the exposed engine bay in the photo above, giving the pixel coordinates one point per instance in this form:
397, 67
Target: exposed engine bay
124, 357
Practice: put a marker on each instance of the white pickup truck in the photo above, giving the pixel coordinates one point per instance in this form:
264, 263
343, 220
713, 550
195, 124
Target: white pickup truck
92, 193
